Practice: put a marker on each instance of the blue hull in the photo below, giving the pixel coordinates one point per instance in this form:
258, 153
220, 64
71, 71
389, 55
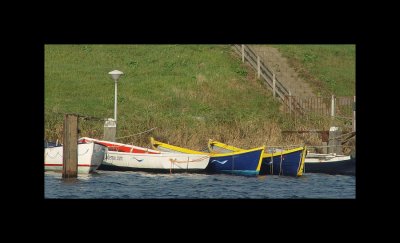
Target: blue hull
243, 164
287, 164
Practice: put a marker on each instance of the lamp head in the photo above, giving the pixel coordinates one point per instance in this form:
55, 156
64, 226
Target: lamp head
115, 74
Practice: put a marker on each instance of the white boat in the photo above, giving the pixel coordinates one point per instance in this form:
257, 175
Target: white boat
329, 164
90, 157
172, 162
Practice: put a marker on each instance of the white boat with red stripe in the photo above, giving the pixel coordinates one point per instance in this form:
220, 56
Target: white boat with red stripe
90, 157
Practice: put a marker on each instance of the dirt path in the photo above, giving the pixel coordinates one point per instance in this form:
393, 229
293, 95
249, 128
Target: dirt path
285, 74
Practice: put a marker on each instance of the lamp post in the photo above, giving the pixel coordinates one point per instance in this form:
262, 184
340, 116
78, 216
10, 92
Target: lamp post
115, 75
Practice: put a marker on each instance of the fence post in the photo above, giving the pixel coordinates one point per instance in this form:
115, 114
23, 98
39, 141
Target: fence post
274, 85
242, 53
354, 114
332, 106
70, 146
258, 67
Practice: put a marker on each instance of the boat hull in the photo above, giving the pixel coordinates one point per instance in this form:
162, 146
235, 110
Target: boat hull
285, 163
247, 163
90, 157
171, 162
340, 165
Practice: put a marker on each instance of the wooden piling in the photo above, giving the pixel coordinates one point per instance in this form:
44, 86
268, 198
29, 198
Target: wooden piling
70, 146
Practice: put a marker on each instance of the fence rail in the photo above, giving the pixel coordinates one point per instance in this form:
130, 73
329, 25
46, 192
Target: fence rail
341, 107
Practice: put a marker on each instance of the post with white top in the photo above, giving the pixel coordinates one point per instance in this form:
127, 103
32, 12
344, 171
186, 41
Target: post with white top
334, 144
70, 146
258, 67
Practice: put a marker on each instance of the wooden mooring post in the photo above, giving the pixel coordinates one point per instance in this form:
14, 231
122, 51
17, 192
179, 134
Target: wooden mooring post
70, 146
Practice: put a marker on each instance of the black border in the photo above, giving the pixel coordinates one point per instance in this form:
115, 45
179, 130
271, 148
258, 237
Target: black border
34, 97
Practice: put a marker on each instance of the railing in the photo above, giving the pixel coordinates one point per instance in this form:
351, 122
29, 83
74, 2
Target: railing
340, 107
278, 89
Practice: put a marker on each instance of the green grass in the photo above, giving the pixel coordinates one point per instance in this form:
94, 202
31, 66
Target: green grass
189, 92
329, 68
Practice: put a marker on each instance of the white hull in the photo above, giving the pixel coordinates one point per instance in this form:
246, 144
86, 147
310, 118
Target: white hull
165, 161
318, 158
90, 157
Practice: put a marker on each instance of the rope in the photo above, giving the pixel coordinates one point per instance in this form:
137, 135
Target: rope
138, 133
187, 161
84, 117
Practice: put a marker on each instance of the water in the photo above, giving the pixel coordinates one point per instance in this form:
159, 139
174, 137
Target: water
144, 185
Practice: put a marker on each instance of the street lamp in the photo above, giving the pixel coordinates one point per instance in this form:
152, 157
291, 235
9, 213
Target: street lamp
115, 75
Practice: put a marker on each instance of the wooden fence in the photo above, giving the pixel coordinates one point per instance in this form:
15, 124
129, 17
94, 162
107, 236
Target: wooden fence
277, 88
336, 107
340, 107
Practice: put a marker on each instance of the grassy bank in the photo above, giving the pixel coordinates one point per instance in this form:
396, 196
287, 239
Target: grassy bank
329, 68
189, 92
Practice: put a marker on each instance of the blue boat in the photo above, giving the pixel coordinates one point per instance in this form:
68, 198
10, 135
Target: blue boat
275, 162
245, 162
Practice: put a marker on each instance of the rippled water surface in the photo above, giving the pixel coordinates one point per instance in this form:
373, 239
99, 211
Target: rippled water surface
137, 185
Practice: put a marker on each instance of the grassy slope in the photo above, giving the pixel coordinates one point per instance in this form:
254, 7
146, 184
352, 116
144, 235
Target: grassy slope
329, 68
190, 92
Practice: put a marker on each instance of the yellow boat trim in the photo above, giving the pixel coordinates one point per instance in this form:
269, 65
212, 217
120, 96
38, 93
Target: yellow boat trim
239, 152
303, 159
155, 144
261, 158
222, 145
284, 152
229, 147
